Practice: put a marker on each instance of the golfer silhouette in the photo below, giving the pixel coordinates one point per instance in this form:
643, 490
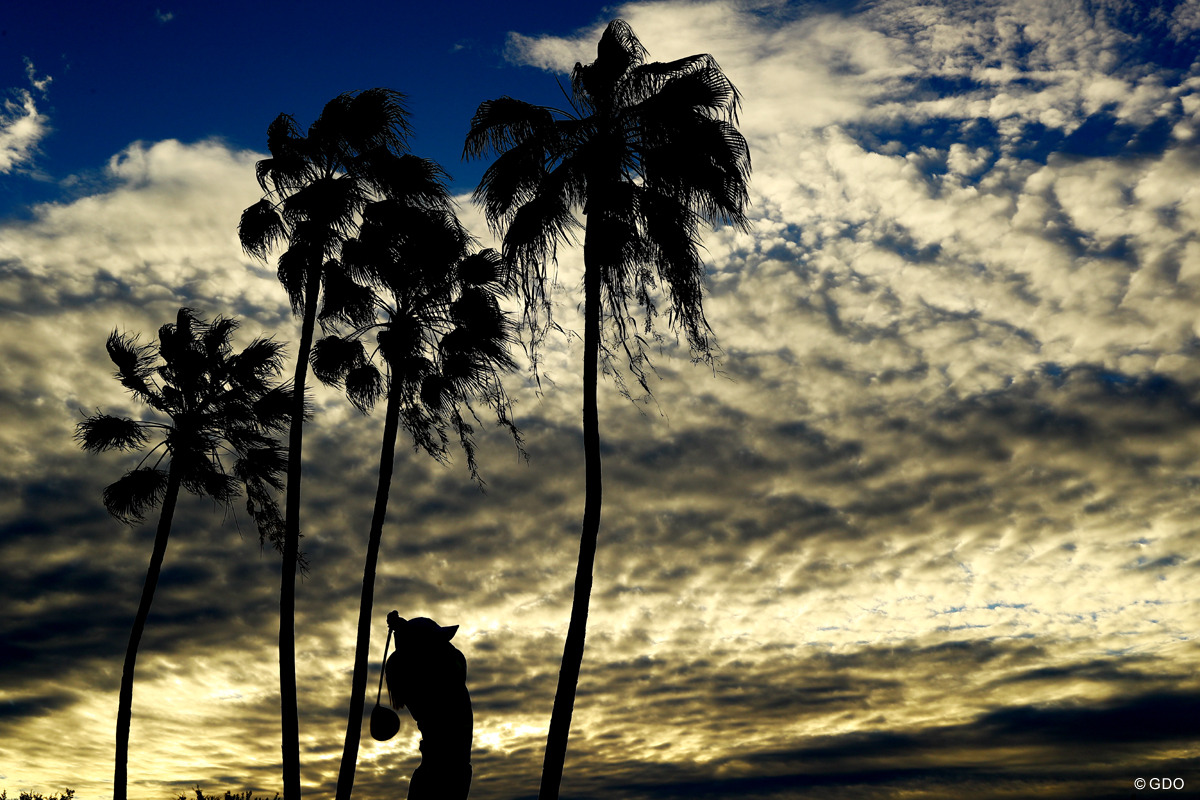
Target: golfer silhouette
428, 675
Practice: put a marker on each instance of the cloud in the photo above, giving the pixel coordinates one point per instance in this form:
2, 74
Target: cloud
22, 126
40, 84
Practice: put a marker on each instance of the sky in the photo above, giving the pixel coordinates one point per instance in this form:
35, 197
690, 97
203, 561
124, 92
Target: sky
927, 531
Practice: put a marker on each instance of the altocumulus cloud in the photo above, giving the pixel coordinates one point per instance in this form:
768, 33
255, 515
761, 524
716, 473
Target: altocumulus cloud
930, 528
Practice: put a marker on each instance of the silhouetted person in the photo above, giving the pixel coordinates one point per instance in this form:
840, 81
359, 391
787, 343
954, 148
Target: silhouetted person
429, 676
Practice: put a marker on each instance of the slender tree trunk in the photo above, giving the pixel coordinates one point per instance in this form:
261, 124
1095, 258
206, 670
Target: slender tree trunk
568, 675
290, 716
362, 648
125, 700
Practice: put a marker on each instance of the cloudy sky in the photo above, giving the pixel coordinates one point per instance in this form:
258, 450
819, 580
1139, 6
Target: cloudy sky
929, 531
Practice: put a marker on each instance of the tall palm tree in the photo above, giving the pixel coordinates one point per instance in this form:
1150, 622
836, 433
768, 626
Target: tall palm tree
315, 187
209, 402
649, 152
442, 340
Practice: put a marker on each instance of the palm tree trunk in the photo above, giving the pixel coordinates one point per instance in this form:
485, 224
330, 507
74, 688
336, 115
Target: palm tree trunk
125, 699
362, 648
290, 717
568, 674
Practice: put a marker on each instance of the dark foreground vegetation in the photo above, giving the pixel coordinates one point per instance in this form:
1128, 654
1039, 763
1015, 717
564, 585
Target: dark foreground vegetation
69, 794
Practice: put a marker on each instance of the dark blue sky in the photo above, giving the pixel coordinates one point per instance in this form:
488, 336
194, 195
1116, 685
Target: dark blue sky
192, 70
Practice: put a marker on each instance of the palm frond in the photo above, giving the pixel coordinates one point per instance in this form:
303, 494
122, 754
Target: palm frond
706, 164
513, 179
202, 477
215, 339
263, 508
292, 271
535, 230
346, 302
503, 123
260, 360
412, 180
329, 203
272, 410
134, 362
266, 464
287, 169
364, 386
261, 229
374, 118
102, 432
282, 135
696, 82
134, 493
426, 429
484, 269
333, 357
618, 51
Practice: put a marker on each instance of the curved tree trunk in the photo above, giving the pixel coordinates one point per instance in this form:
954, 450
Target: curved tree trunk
125, 700
290, 717
362, 648
568, 674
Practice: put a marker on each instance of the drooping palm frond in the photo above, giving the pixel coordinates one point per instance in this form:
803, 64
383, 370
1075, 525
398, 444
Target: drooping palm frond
205, 479
334, 356
263, 508
134, 493
346, 302
265, 464
261, 229
364, 386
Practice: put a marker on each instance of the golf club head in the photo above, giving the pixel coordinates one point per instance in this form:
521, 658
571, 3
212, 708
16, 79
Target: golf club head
385, 723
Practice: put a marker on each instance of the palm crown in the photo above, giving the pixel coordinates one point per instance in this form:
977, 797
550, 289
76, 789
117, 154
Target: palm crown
214, 404
649, 153
316, 186
441, 335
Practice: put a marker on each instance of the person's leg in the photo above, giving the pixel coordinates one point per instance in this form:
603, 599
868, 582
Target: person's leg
420, 787
431, 783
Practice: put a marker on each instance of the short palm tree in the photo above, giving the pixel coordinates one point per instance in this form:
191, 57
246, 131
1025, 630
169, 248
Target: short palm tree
211, 404
649, 153
315, 187
442, 340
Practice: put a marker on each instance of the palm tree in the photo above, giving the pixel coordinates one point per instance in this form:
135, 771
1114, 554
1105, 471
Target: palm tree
315, 187
442, 340
209, 401
649, 153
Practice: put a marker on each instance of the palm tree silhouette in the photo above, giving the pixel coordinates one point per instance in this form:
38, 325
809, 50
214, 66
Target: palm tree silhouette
649, 152
443, 341
209, 401
315, 187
